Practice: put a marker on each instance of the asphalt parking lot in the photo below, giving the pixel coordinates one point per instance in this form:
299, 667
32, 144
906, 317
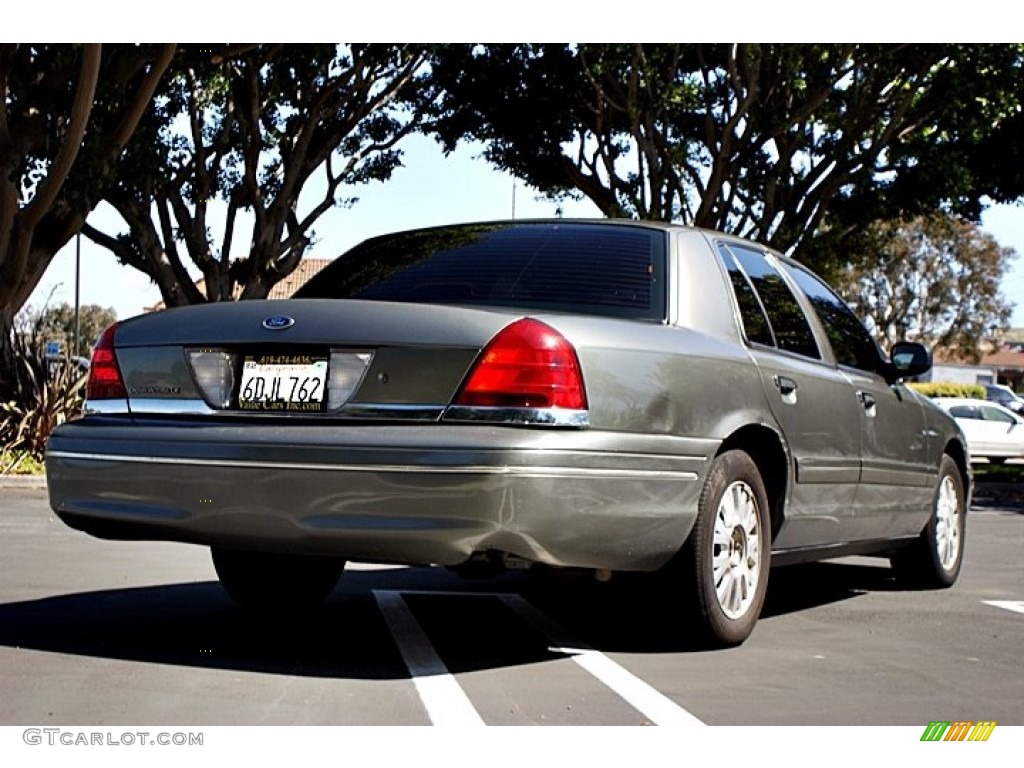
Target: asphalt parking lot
126, 633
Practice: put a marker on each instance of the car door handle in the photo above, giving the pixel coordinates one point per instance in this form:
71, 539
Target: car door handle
785, 384
868, 401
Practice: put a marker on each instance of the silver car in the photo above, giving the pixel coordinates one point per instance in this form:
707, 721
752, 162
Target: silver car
607, 395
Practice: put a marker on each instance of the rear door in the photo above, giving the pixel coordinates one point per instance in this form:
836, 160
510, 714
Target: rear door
897, 465
812, 401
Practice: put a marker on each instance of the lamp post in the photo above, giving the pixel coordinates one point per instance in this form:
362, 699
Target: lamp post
78, 268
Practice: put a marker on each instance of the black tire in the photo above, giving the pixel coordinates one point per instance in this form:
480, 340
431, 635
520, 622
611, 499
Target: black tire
275, 582
725, 598
997, 460
933, 561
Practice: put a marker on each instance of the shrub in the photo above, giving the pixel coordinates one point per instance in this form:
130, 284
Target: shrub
19, 464
948, 389
36, 395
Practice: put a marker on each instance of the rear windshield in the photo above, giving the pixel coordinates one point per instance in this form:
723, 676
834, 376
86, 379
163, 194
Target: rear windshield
616, 271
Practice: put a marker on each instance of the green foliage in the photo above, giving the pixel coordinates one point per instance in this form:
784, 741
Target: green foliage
1010, 476
58, 324
248, 129
67, 113
36, 395
933, 278
20, 463
948, 389
779, 142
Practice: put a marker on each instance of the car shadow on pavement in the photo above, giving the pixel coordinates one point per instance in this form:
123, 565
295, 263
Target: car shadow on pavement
196, 624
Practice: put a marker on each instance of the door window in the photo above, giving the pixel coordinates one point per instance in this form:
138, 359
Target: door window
850, 340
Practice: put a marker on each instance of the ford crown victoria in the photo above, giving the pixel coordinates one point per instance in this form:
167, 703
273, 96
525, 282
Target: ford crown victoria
607, 395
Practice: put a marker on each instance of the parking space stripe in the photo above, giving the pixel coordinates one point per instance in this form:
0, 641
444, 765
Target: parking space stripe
656, 706
652, 703
1017, 606
445, 701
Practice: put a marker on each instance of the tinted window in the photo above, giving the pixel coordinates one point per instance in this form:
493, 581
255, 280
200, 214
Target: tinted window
596, 269
852, 344
755, 323
788, 322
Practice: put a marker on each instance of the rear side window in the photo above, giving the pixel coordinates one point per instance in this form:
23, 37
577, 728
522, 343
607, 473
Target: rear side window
788, 322
617, 271
755, 322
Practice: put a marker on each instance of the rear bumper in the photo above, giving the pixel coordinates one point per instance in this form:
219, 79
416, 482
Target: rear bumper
406, 494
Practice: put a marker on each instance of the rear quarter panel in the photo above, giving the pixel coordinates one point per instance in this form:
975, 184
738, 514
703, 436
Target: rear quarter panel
689, 377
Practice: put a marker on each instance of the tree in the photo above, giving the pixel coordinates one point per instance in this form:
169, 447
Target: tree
249, 132
58, 324
67, 113
781, 143
932, 278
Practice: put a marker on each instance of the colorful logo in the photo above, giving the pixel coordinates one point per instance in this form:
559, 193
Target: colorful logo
958, 730
278, 323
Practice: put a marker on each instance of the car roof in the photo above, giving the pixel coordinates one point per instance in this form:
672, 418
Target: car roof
666, 226
975, 401
1001, 388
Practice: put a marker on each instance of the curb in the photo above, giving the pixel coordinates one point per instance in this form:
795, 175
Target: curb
22, 481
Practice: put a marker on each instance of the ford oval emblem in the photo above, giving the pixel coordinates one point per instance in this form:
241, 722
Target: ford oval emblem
278, 323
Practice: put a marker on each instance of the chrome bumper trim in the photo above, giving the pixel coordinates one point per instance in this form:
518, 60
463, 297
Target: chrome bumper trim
546, 417
519, 471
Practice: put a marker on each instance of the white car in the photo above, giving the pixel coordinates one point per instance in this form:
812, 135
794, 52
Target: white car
992, 431
1006, 397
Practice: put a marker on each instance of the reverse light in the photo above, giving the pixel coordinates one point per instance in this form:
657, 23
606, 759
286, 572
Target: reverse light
346, 371
528, 364
214, 372
105, 382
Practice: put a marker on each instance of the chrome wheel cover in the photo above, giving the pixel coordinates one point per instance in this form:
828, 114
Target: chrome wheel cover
947, 524
736, 550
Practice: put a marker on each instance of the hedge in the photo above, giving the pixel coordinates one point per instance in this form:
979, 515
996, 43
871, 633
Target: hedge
948, 389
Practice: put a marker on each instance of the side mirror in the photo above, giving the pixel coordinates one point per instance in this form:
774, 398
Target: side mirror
909, 359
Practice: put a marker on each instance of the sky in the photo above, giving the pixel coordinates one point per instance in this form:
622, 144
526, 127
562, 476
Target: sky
430, 190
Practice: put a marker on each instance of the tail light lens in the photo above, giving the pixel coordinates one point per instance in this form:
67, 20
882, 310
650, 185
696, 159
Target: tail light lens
105, 382
527, 365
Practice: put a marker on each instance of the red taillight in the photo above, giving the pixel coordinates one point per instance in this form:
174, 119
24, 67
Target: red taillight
105, 380
527, 365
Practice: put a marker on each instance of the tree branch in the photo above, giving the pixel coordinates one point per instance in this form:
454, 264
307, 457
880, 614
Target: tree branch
143, 98
47, 192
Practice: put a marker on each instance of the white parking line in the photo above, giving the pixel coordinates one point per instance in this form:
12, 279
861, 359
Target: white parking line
1017, 606
656, 706
650, 702
445, 701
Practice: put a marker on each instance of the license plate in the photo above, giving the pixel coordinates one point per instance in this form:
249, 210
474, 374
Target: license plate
283, 383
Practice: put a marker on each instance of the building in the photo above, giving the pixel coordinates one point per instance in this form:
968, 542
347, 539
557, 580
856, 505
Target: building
1002, 366
289, 285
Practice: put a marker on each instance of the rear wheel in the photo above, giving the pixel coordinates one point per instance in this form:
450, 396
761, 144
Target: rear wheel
276, 582
727, 554
934, 559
